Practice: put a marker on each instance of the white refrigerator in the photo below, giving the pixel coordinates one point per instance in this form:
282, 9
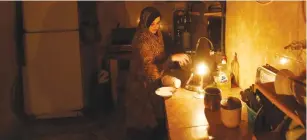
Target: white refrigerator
52, 76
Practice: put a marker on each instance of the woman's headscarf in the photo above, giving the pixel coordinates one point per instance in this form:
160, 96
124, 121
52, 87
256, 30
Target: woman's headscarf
148, 15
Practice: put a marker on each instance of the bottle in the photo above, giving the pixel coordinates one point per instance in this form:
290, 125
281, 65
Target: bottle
178, 38
186, 40
185, 19
223, 79
235, 70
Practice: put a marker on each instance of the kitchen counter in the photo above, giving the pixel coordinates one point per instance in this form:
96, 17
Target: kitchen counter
187, 119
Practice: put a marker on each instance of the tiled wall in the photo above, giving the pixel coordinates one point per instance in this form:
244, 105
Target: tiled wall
258, 33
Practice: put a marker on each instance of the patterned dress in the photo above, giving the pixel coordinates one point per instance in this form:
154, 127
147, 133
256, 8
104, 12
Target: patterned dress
149, 61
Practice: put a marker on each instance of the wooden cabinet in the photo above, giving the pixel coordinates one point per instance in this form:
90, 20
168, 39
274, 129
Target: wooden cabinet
286, 104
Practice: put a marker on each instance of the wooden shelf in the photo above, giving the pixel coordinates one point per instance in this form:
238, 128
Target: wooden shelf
214, 14
285, 103
194, 13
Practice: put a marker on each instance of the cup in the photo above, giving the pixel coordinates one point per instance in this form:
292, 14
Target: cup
212, 98
231, 112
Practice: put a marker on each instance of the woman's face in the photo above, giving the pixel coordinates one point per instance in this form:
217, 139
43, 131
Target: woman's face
155, 25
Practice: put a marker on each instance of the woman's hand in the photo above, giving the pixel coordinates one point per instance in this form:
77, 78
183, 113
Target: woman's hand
181, 58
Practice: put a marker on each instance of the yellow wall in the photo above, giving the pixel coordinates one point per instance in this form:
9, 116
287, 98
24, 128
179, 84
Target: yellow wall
258, 33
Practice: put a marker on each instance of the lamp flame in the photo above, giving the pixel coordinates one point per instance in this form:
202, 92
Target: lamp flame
138, 20
283, 60
202, 69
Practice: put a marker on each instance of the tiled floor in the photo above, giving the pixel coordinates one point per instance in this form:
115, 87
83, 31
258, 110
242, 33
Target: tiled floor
98, 127
101, 126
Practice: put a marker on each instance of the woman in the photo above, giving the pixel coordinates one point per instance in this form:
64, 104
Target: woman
144, 109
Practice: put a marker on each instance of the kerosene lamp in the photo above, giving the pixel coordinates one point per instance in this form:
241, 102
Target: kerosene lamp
199, 71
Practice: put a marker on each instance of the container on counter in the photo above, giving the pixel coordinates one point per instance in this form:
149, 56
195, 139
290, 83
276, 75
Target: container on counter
223, 80
212, 98
231, 112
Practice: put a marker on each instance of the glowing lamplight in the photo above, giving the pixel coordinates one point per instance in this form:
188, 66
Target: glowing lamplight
201, 69
283, 60
161, 26
200, 133
138, 20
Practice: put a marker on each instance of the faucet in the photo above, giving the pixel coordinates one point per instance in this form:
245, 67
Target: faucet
189, 85
197, 45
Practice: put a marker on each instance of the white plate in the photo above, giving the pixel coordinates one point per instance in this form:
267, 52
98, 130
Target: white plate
165, 91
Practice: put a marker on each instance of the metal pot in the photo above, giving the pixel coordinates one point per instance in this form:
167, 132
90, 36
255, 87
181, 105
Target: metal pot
231, 112
212, 98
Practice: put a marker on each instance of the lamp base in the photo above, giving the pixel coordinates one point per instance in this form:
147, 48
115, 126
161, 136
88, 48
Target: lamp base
198, 92
192, 88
